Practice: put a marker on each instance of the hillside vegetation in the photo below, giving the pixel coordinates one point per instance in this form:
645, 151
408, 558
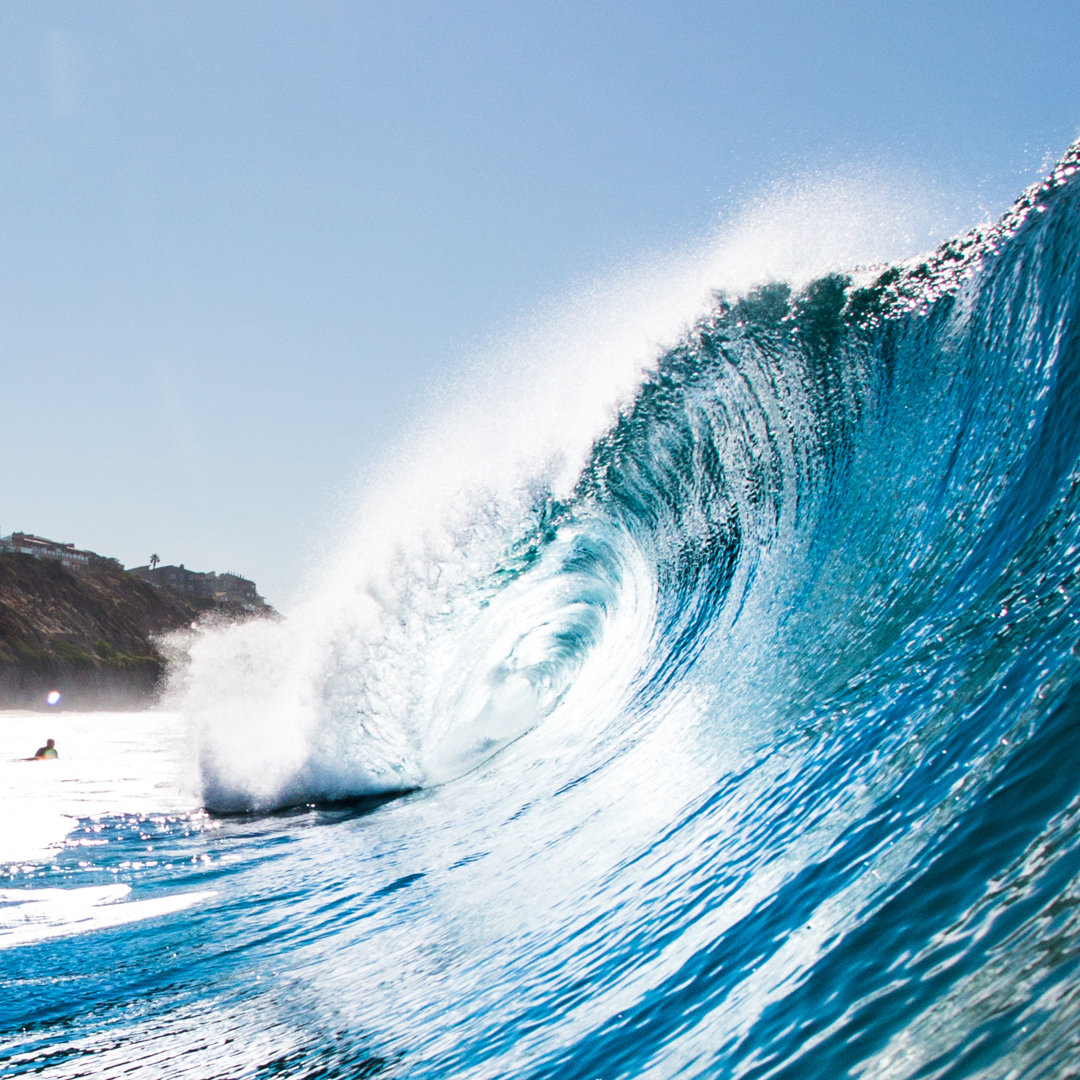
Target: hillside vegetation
90, 634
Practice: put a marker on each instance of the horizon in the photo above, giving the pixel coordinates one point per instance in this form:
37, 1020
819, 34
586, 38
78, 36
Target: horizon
248, 253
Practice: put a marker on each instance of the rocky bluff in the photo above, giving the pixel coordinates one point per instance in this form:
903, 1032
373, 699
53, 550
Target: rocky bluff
93, 634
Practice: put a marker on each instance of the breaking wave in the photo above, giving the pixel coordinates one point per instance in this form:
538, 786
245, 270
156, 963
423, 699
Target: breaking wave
716, 713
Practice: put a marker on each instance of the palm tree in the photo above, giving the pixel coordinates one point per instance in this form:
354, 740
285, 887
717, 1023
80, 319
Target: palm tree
154, 560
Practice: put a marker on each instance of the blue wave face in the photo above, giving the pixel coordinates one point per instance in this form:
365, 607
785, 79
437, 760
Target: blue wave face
753, 752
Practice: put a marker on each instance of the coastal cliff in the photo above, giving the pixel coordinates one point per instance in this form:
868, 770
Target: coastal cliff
90, 634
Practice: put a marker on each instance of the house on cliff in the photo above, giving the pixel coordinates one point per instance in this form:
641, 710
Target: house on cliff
229, 587
68, 555
199, 585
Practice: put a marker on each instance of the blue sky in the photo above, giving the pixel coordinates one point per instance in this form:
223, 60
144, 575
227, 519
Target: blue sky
243, 241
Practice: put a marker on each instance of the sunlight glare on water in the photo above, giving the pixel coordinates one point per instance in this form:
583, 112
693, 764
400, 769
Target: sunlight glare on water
132, 767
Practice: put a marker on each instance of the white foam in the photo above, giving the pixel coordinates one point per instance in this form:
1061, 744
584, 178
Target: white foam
348, 694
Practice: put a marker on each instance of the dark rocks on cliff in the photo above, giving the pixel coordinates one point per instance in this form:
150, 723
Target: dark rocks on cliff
89, 634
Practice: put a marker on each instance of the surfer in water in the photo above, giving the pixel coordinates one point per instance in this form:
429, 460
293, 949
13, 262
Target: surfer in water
47, 751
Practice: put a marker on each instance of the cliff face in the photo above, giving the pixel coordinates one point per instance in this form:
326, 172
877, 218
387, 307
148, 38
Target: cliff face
88, 634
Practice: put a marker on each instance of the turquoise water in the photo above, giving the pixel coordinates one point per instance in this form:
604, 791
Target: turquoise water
752, 751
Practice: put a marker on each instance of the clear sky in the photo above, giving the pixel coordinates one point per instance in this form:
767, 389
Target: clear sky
242, 240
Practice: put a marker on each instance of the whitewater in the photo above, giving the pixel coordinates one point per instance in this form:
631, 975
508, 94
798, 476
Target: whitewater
697, 693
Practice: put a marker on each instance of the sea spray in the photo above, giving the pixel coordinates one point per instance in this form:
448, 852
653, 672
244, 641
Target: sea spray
363, 688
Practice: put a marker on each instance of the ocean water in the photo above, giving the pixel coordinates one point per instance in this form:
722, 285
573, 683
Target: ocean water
733, 731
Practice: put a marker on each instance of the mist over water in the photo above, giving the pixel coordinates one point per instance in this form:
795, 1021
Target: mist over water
695, 694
